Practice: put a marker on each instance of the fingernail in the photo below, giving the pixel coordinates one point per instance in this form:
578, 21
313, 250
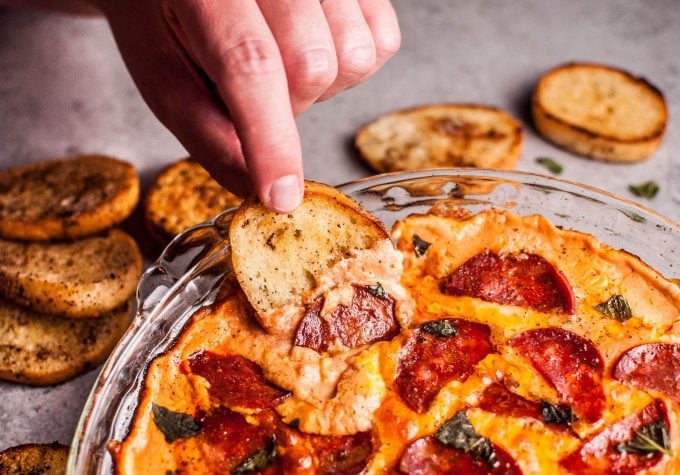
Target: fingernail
285, 194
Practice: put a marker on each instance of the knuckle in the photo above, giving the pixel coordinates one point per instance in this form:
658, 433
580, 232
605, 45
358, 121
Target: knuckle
357, 61
388, 43
314, 69
250, 57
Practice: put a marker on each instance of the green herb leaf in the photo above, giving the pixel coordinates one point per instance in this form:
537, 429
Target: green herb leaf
377, 290
649, 438
648, 189
174, 425
459, 433
260, 460
560, 414
442, 328
552, 166
616, 307
420, 246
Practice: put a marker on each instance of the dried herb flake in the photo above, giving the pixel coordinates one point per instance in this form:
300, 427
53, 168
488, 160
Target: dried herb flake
615, 307
560, 414
459, 433
260, 460
420, 246
377, 290
441, 328
174, 425
550, 164
648, 189
648, 439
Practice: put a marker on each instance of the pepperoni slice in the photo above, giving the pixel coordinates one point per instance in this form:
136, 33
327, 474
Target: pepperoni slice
498, 399
600, 455
368, 319
228, 439
653, 366
328, 455
236, 381
522, 279
428, 456
570, 363
429, 361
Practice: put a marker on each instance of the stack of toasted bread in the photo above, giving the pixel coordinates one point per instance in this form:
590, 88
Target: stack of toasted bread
66, 273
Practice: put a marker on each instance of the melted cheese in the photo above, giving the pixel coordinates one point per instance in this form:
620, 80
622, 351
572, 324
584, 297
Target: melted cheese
342, 392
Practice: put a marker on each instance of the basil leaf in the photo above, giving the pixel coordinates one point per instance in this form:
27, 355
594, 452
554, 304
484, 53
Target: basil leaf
648, 439
420, 246
459, 433
260, 460
377, 290
648, 189
615, 307
560, 414
174, 425
552, 166
442, 328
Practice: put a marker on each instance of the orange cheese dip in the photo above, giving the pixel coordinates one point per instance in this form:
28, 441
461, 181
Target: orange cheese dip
498, 320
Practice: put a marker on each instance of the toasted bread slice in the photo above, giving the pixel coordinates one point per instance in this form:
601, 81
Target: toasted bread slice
600, 112
34, 459
83, 278
44, 349
66, 198
276, 257
443, 135
182, 195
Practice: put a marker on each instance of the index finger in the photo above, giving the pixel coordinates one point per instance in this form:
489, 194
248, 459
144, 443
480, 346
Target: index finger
232, 43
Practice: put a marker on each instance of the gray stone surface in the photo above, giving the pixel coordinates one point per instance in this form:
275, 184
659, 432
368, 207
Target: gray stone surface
64, 89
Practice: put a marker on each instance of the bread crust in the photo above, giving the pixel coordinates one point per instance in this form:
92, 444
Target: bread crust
80, 279
589, 138
40, 349
182, 195
66, 198
296, 247
38, 459
441, 135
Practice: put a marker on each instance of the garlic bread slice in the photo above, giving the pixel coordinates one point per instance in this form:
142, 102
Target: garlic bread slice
441, 135
34, 459
76, 279
43, 349
277, 257
181, 196
600, 112
66, 198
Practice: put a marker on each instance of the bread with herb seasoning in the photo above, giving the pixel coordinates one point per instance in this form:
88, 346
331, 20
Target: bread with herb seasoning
181, 196
441, 135
43, 349
34, 459
600, 112
277, 257
66, 198
76, 279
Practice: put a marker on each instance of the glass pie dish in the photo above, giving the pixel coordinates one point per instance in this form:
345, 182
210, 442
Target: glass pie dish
189, 272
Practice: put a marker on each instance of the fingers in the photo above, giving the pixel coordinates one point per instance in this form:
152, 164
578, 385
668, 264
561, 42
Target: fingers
306, 45
235, 47
354, 44
384, 25
170, 85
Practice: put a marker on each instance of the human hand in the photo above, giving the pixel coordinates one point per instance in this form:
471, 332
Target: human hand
227, 77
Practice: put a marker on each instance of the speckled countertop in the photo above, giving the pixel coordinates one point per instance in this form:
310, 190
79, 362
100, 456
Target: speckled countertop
65, 90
